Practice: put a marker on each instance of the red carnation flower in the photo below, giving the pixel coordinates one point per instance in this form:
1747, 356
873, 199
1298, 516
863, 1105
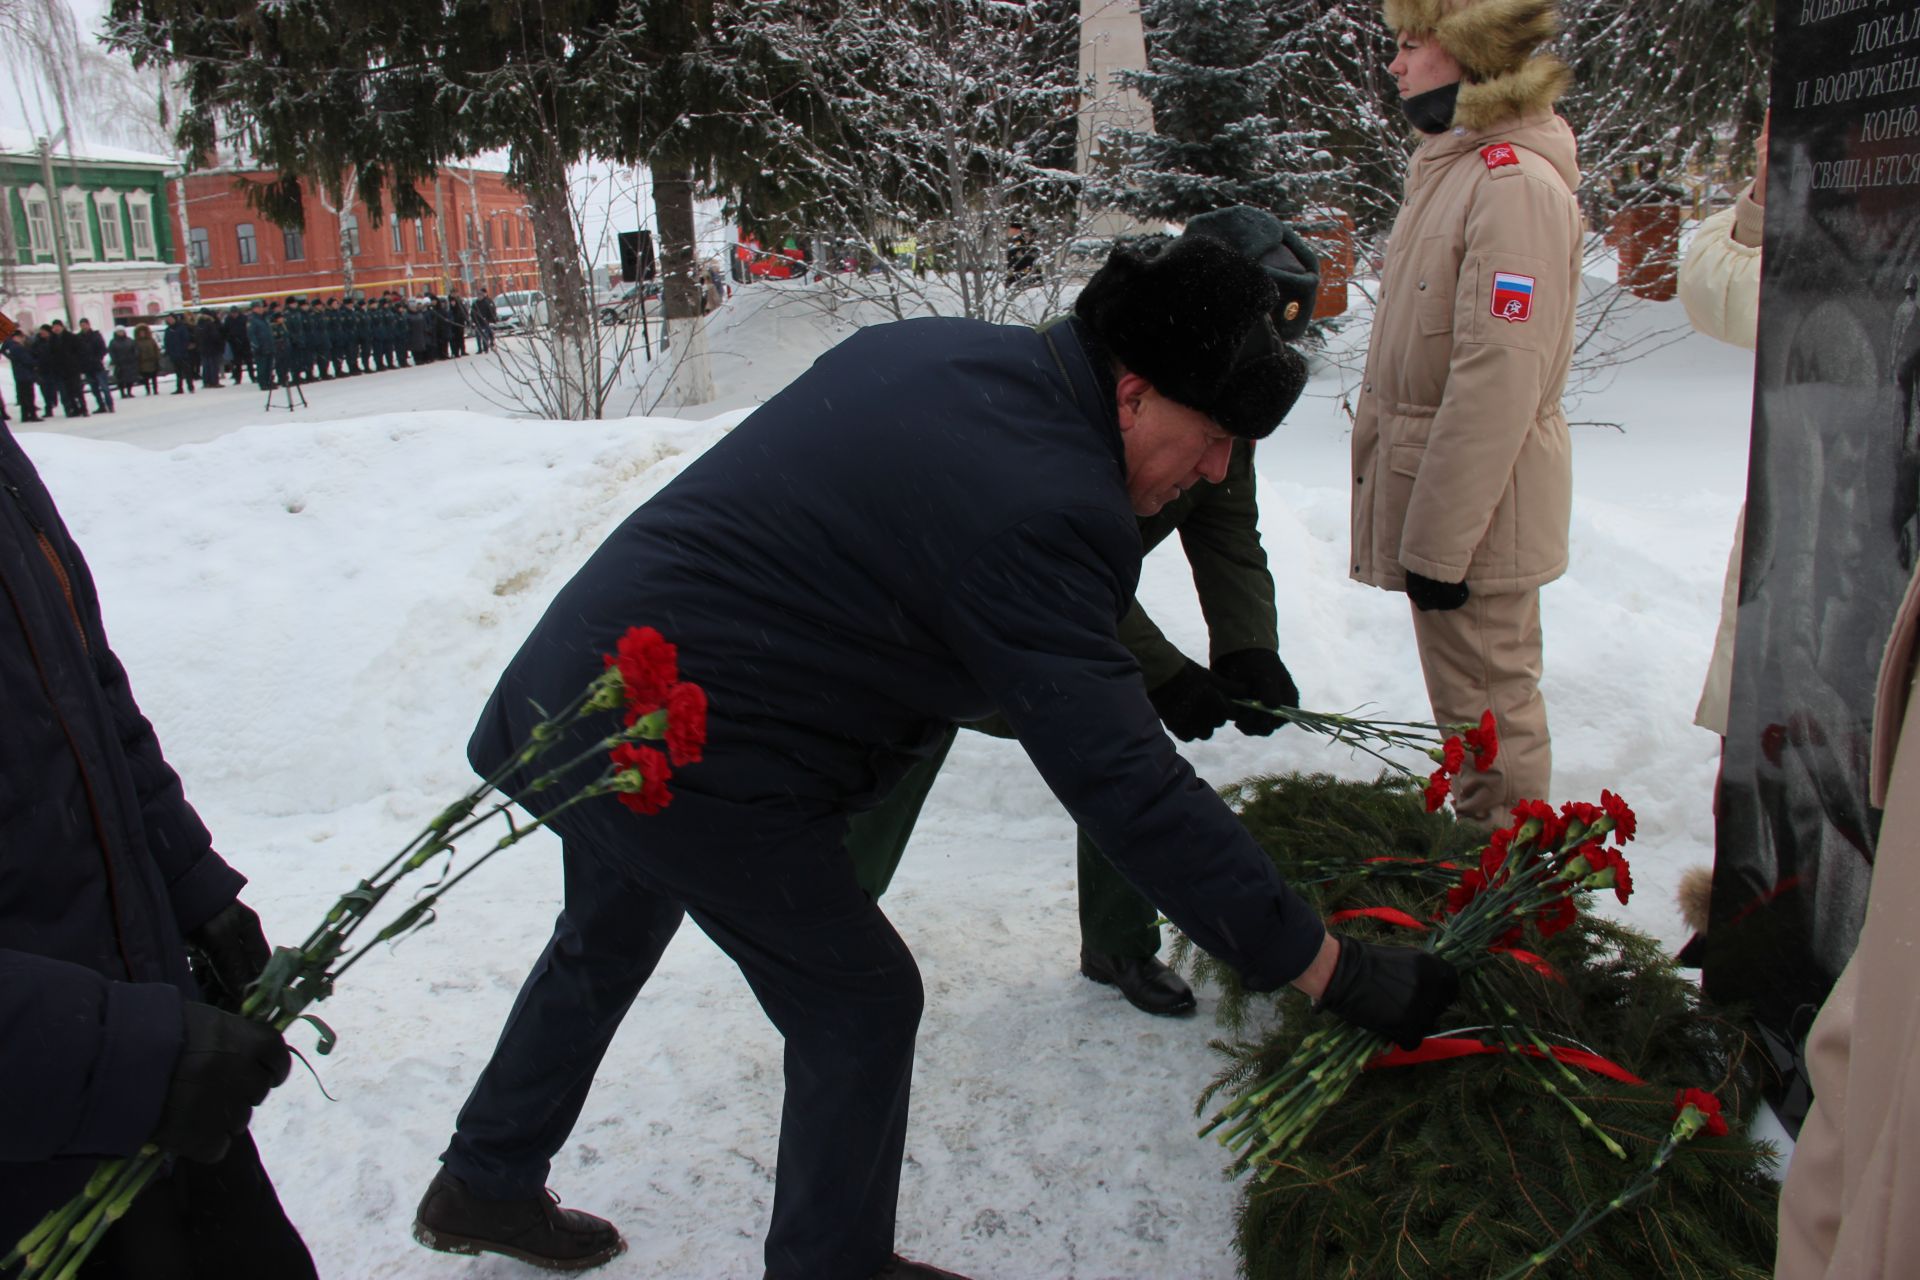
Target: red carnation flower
1453, 756
1437, 788
1557, 916
1580, 811
1707, 1105
654, 771
1493, 858
1624, 823
686, 723
1551, 826
649, 666
1471, 883
1622, 879
1484, 742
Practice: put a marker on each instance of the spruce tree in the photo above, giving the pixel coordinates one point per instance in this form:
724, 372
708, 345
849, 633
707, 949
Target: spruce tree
1212, 68
390, 90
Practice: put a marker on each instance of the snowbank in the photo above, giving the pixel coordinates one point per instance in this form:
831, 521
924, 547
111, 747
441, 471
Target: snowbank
313, 613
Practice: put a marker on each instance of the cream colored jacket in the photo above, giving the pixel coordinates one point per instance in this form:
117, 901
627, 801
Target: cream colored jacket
1462, 469
1720, 288
1720, 276
1848, 1209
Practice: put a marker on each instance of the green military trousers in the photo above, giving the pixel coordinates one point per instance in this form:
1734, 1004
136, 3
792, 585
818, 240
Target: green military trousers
1114, 919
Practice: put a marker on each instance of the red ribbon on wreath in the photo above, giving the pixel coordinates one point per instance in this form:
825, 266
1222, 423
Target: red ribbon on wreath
1395, 916
1447, 1048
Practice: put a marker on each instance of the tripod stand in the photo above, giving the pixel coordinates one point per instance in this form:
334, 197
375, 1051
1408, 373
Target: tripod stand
292, 389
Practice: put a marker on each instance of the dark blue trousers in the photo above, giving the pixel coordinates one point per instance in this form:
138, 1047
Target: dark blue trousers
779, 897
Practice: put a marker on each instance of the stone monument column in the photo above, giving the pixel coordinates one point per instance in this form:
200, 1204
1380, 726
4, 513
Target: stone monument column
1112, 40
1833, 509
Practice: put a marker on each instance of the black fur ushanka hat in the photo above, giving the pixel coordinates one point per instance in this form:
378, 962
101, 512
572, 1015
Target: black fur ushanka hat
1195, 317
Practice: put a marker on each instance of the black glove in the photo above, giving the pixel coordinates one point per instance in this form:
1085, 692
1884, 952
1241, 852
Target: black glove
1264, 677
1194, 703
227, 1063
1398, 992
236, 953
1429, 594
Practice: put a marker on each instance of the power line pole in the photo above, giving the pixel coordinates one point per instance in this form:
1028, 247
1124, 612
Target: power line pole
58, 207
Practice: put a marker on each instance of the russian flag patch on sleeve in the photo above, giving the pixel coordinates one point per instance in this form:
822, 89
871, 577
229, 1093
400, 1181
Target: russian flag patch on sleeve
1512, 297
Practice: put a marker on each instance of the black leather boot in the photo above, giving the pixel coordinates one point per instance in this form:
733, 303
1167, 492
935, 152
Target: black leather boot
1147, 984
534, 1229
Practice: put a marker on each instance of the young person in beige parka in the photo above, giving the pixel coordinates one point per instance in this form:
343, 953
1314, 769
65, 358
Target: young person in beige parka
1462, 469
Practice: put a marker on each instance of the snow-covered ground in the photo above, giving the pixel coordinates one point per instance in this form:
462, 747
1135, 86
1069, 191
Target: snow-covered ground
313, 607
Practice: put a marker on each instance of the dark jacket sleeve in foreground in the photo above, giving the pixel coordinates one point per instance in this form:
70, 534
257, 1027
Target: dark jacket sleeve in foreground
101, 1056
1032, 616
199, 882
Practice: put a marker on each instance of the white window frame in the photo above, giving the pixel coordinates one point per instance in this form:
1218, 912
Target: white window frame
140, 220
246, 247
39, 220
73, 207
113, 239
200, 258
350, 234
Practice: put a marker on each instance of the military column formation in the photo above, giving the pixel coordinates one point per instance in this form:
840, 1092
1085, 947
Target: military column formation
309, 340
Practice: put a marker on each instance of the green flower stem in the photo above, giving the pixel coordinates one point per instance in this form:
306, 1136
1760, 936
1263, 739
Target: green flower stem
1592, 1214
1314, 1080
63, 1239
142, 1171
417, 912
1531, 1064
1366, 735
33, 1247
69, 1234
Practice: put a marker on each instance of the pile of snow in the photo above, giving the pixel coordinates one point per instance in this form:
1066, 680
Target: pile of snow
313, 613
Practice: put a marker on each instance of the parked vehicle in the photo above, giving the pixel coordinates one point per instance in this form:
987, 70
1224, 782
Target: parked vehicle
520, 309
622, 305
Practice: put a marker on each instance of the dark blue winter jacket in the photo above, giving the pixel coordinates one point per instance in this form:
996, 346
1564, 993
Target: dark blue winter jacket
177, 341
103, 867
929, 526
26, 365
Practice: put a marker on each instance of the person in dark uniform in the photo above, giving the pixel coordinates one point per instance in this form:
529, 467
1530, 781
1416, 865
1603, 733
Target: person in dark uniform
234, 327
110, 877
210, 340
26, 374
935, 523
260, 344
93, 365
282, 344
1219, 531
457, 317
340, 338
65, 362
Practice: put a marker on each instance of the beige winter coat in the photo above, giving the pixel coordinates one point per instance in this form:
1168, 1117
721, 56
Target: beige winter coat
1461, 464
1720, 288
1847, 1211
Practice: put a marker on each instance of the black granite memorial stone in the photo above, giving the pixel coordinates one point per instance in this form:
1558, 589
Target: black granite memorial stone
1832, 532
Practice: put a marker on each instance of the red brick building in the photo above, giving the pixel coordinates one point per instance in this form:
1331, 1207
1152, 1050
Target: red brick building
478, 235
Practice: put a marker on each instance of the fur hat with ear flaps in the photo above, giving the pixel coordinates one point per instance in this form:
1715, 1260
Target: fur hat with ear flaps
1195, 317
1494, 43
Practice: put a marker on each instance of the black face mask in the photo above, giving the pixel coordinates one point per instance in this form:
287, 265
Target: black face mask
1432, 111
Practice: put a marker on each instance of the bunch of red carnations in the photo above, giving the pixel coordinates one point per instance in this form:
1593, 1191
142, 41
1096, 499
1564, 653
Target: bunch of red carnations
641, 681
1526, 878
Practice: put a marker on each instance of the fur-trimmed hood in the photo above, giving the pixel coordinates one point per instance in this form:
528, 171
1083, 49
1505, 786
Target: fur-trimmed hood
1534, 86
1493, 40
